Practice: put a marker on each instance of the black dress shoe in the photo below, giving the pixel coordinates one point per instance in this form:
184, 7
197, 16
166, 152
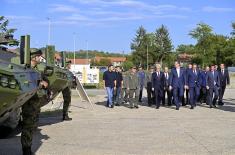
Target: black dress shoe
117, 104
136, 106
211, 106
191, 107
66, 118
214, 105
177, 108
111, 106
157, 107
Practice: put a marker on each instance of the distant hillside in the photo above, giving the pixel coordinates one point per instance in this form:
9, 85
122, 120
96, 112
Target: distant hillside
93, 53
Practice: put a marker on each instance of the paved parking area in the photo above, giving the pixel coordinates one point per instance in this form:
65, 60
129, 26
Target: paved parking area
124, 131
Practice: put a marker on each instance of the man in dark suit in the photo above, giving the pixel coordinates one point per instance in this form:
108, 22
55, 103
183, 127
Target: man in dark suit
158, 85
224, 80
185, 101
212, 85
203, 91
177, 83
166, 88
193, 84
148, 85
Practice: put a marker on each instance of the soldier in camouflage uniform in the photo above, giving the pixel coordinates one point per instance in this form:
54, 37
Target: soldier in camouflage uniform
133, 88
124, 91
67, 95
30, 108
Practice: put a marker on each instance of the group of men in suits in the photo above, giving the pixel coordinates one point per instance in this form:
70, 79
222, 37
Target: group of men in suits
199, 85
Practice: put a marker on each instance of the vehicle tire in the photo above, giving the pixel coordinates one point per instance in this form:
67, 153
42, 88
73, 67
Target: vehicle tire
13, 120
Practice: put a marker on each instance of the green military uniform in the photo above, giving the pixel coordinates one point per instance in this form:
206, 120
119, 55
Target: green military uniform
133, 87
29, 114
124, 91
67, 95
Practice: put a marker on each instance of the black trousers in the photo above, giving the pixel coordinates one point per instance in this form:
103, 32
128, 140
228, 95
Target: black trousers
185, 101
169, 96
203, 95
213, 92
140, 94
221, 94
158, 96
150, 94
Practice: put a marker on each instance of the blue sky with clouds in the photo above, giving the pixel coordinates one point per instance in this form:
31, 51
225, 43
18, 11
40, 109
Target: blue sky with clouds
110, 25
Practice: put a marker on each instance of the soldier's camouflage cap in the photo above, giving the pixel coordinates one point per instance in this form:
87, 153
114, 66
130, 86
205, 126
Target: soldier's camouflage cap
35, 52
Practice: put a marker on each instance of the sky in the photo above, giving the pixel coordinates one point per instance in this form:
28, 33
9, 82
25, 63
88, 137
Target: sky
110, 25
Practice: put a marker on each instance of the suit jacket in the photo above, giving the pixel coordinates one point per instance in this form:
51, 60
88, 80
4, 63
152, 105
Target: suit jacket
192, 79
224, 78
175, 81
211, 80
203, 78
148, 78
166, 80
158, 81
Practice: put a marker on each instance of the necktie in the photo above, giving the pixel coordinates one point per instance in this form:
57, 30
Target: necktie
223, 72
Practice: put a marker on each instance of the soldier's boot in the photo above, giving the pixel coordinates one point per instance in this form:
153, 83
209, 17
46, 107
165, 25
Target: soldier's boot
66, 118
27, 151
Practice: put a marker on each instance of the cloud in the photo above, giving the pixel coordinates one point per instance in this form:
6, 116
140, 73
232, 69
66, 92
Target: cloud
212, 9
15, 17
132, 4
62, 8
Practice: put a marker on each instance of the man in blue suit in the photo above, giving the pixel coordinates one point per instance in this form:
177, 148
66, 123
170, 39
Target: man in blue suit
203, 92
177, 83
212, 85
193, 83
185, 101
158, 85
224, 80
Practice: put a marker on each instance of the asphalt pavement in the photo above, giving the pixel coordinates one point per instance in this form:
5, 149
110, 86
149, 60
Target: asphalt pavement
97, 130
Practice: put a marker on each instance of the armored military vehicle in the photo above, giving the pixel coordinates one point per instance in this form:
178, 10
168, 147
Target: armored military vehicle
56, 75
18, 83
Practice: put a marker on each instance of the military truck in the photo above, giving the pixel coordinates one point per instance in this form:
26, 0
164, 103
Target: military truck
18, 82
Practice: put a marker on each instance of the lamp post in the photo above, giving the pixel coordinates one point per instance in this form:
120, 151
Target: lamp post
147, 57
87, 52
74, 48
49, 31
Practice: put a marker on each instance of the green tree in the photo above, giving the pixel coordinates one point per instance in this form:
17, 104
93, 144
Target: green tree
4, 26
189, 49
201, 31
138, 46
163, 43
127, 65
204, 48
104, 62
233, 30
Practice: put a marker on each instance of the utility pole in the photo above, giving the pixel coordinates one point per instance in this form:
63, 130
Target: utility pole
49, 31
87, 52
74, 48
147, 57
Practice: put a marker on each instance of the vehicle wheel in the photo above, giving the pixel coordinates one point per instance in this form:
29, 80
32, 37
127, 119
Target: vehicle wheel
13, 120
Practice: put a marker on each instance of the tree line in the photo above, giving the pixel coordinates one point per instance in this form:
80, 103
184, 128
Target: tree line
156, 47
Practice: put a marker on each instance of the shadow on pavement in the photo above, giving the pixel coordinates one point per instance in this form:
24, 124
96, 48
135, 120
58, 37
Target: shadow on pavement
10, 140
